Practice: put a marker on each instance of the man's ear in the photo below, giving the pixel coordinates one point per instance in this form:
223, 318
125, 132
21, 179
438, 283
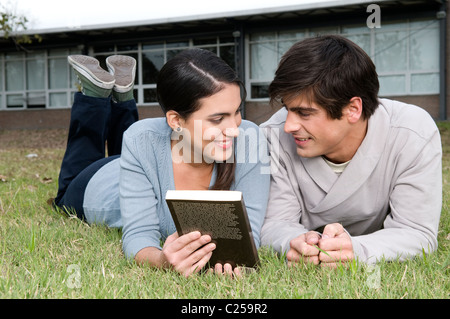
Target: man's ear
353, 111
173, 119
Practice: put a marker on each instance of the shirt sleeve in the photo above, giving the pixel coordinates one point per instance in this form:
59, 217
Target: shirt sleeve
282, 222
138, 202
415, 202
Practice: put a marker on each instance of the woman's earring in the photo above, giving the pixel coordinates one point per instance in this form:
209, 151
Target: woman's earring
178, 129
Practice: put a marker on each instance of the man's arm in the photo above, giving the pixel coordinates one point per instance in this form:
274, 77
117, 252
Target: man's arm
415, 207
282, 221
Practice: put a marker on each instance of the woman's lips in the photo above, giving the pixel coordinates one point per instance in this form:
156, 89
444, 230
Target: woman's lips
225, 144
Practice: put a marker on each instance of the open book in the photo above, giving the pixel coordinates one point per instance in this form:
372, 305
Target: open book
220, 214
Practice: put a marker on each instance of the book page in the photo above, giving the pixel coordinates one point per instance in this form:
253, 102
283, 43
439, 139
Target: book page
217, 219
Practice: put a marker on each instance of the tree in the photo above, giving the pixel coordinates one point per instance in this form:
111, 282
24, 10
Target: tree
12, 26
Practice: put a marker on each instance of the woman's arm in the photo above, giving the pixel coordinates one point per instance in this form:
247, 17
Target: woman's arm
180, 253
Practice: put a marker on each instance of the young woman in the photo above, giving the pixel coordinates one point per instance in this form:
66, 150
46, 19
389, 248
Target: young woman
193, 147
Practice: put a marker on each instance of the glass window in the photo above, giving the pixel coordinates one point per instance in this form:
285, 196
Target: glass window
35, 100
14, 55
283, 46
150, 96
172, 53
322, 31
14, 76
152, 46
58, 99
266, 36
152, 62
354, 29
58, 73
266, 49
359, 34
292, 35
424, 48
36, 73
177, 44
14, 101
135, 56
212, 49
392, 85
263, 60
405, 53
37, 80
259, 90
58, 52
362, 40
390, 51
227, 54
394, 25
425, 83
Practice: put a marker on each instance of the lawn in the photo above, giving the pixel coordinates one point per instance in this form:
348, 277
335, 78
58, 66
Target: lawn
46, 255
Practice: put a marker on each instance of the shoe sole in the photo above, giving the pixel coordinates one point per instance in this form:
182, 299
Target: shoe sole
124, 69
90, 68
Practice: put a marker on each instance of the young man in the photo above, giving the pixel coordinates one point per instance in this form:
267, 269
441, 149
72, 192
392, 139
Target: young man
356, 176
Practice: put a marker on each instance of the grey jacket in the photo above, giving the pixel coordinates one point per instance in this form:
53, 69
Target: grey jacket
388, 199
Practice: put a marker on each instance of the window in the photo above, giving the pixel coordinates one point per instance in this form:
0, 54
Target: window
45, 80
62, 81
36, 79
14, 79
265, 50
151, 56
406, 54
154, 56
407, 58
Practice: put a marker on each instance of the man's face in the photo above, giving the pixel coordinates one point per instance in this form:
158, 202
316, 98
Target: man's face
315, 133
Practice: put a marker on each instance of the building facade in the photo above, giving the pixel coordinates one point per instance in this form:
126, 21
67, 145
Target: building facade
409, 45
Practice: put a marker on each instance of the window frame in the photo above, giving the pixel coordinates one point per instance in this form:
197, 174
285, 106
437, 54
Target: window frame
166, 46
42, 93
409, 73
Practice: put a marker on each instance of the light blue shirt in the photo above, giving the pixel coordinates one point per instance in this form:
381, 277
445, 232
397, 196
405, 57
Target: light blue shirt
146, 173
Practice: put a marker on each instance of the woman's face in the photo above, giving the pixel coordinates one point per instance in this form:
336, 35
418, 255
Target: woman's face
212, 128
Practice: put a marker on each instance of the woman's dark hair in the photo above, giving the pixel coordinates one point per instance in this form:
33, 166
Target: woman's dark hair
188, 77
328, 70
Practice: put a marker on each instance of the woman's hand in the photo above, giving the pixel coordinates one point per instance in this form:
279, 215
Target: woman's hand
187, 254
227, 269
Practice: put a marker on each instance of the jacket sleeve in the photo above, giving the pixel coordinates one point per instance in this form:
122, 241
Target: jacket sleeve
138, 202
282, 222
415, 202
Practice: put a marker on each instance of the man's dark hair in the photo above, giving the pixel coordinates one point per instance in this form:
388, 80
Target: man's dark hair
328, 70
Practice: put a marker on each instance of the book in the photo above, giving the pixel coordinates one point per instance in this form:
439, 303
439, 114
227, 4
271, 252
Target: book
223, 216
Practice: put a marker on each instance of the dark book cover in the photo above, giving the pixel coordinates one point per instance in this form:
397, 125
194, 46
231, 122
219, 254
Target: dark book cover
223, 216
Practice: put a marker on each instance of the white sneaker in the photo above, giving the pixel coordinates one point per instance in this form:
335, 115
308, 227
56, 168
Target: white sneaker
123, 68
94, 80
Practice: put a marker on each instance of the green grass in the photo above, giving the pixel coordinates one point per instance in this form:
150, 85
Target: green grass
46, 255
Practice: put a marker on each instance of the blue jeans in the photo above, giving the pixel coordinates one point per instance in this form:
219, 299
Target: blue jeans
94, 122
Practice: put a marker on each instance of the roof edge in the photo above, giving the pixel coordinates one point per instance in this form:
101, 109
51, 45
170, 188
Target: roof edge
206, 16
